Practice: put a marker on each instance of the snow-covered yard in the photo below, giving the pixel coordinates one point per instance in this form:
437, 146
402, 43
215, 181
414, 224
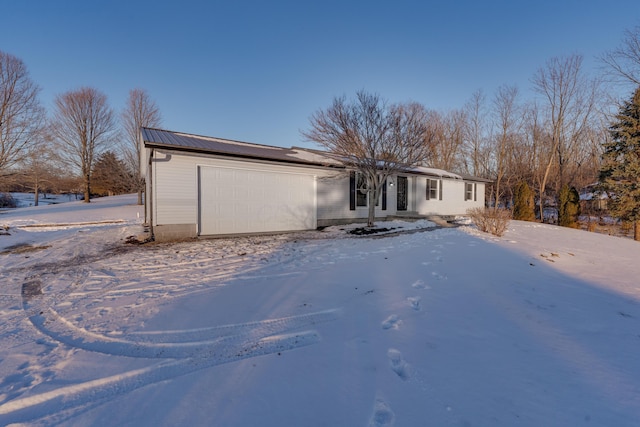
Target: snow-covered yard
28, 199
442, 327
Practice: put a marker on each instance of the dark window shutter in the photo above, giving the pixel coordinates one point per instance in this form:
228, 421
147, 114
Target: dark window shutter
475, 192
440, 191
352, 191
428, 188
384, 196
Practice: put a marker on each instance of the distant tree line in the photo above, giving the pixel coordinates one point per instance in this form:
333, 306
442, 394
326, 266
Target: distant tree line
82, 146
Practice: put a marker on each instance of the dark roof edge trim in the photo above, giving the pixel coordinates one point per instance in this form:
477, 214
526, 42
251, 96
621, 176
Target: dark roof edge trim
160, 145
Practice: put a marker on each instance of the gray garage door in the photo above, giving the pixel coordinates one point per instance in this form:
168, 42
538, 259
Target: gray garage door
255, 201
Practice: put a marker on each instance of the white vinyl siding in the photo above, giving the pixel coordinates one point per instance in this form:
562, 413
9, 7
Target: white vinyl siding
175, 186
451, 198
333, 199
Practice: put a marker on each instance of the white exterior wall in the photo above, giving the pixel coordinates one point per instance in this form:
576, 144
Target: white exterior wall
333, 199
453, 194
175, 183
174, 187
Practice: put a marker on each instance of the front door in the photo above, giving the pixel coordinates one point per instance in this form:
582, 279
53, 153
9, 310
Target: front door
403, 192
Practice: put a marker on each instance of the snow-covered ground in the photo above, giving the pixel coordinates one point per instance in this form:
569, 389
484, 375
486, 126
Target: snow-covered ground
28, 199
442, 327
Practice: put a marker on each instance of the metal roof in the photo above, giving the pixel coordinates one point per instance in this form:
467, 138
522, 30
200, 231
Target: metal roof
158, 138
186, 142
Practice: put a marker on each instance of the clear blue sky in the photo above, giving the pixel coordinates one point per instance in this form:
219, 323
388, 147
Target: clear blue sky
256, 70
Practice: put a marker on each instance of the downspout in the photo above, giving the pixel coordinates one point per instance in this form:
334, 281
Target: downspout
149, 197
152, 160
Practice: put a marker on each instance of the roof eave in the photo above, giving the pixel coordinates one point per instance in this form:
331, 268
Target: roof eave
180, 148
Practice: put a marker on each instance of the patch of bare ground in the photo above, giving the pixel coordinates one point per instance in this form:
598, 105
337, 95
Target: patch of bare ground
611, 228
23, 248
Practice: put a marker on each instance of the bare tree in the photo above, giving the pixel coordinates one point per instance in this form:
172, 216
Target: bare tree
40, 167
534, 151
140, 111
623, 63
570, 101
82, 124
372, 137
450, 131
476, 152
21, 115
508, 122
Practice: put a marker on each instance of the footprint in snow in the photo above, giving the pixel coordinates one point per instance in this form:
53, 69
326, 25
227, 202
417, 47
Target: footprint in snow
382, 416
391, 322
398, 364
414, 302
438, 275
419, 284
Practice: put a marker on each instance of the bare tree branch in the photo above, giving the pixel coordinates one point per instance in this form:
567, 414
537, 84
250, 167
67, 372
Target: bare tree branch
376, 139
82, 124
571, 107
476, 150
508, 119
623, 63
140, 111
21, 115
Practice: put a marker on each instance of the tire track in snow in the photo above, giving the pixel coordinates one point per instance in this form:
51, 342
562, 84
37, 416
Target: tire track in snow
80, 287
261, 327
186, 350
69, 397
159, 344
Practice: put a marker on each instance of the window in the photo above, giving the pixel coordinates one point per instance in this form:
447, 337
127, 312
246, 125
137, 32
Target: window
361, 190
359, 196
470, 191
434, 189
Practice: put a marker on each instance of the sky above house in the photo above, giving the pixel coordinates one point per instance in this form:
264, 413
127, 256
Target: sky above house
256, 71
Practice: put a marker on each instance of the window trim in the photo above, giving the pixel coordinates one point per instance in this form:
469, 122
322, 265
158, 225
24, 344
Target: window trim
434, 189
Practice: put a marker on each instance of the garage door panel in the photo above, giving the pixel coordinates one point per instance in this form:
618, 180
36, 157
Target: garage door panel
253, 201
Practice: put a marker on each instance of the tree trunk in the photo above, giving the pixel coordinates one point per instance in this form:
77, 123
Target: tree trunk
543, 187
36, 195
372, 209
140, 184
87, 190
